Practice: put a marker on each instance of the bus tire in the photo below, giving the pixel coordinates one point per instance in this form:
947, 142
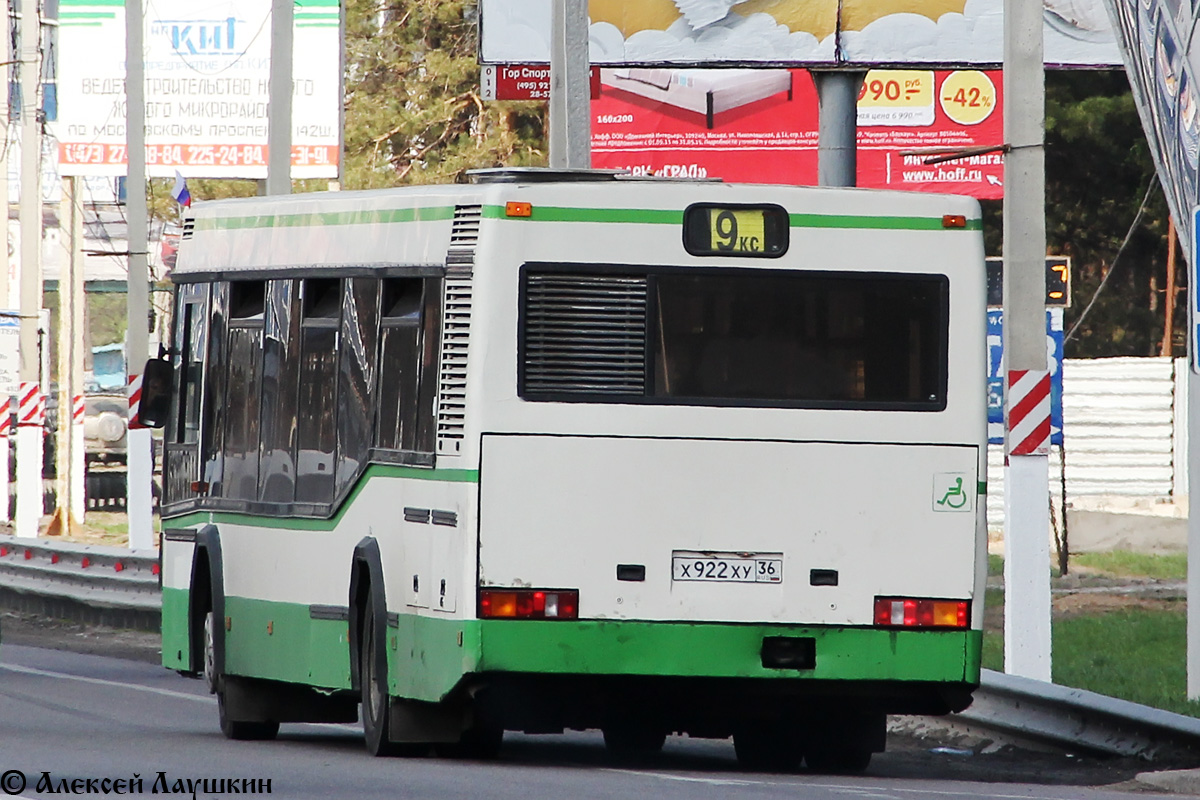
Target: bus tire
768, 747
239, 730
376, 705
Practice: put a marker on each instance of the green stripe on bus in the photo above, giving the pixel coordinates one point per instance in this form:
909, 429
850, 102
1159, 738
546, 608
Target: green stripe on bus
280, 641
80, 15
319, 219
671, 217
176, 644
705, 649
198, 518
982, 487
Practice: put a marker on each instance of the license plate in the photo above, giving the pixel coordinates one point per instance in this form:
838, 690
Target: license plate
727, 567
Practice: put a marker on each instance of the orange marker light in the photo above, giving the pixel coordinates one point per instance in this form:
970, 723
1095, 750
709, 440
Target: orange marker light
954, 221
514, 209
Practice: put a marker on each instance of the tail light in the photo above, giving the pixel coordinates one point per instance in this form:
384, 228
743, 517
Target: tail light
528, 604
913, 612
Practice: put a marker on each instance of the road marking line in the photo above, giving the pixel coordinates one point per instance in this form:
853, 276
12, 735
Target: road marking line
202, 698
101, 682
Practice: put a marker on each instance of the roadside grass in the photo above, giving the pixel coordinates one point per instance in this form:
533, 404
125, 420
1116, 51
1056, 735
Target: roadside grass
1135, 653
1170, 567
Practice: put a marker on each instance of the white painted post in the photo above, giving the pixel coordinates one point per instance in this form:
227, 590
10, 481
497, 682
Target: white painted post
78, 460
5, 432
1027, 643
139, 453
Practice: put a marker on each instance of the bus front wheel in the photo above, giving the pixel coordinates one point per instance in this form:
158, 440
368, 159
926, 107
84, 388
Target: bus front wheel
241, 730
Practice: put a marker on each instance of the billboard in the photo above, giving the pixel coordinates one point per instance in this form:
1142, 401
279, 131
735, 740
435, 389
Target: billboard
1162, 61
207, 71
797, 32
761, 126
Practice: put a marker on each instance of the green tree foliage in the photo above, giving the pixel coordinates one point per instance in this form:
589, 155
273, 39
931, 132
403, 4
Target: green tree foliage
1098, 170
413, 111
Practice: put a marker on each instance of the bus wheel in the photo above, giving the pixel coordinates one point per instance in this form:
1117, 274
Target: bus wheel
233, 729
836, 758
480, 743
375, 704
631, 739
768, 748
210, 660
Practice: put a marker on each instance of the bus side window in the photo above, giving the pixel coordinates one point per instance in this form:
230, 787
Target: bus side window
356, 383
316, 431
404, 310
244, 388
212, 414
280, 385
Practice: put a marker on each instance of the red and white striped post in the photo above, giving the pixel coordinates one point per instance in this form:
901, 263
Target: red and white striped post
78, 459
1028, 399
139, 473
31, 429
5, 433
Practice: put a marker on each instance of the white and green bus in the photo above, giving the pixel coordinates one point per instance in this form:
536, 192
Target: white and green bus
570, 450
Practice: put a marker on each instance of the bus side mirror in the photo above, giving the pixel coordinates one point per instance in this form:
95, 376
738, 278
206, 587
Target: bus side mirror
155, 405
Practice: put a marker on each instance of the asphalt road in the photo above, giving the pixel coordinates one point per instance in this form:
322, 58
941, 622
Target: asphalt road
80, 716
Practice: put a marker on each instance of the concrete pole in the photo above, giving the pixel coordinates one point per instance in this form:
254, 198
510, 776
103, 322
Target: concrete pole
279, 107
139, 453
1026, 495
71, 221
570, 86
837, 131
30, 435
5, 122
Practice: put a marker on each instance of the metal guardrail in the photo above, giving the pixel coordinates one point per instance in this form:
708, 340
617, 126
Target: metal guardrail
115, 586
1077, 719
90, 583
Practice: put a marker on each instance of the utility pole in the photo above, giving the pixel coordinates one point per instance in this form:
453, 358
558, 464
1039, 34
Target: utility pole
31, 409
570, 86
69, 511
139, 476
6, 299
1027, 379
279, 109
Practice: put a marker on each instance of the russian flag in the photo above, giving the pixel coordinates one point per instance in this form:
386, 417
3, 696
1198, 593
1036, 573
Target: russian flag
180, 191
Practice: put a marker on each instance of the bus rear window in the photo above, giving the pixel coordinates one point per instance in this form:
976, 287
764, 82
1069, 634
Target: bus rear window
739, 337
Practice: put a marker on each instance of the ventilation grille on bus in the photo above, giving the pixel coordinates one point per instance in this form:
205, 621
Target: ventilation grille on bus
464, 235
189, 227
585, 334
456, 329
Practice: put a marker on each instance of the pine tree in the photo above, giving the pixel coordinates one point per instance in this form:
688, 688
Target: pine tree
413, 110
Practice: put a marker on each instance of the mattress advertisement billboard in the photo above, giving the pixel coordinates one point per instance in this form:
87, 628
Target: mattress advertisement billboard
207, 71
797, 32
761, 126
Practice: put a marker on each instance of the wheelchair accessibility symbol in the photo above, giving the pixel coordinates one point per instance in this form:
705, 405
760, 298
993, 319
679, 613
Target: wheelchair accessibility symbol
952, 491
